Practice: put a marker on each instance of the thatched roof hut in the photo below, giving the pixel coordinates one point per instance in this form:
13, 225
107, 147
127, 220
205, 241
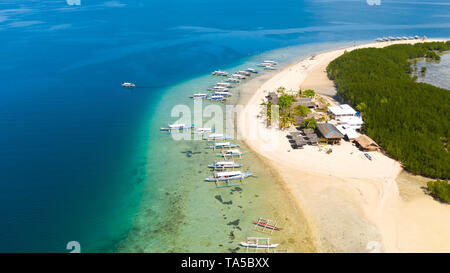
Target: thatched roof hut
329, 133
367, 143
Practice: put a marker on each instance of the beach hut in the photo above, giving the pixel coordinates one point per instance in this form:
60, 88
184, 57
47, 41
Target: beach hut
305, 102
272, 97
330, 134
366, 143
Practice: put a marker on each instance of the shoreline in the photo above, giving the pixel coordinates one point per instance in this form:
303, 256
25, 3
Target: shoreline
356, 208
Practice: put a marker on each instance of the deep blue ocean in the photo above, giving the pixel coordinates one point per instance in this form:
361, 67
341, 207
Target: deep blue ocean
73, 143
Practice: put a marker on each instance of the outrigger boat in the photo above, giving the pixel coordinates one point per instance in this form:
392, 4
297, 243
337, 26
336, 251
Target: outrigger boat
256, 242
224, 84
177, 127
128, 84
223, 93
231, 153
233, 80
251, 70
266, 224
242, 72
199, 96
227, 176
225, 165
223, 145
239, 76
269, 67
204, 130
220, 73
217, 98
270, 62
216, 137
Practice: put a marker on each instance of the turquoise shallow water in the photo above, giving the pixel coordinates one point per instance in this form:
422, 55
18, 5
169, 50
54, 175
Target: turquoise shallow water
182, 213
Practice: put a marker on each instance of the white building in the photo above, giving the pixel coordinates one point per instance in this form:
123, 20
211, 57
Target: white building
353, 122
347, 131
343, 110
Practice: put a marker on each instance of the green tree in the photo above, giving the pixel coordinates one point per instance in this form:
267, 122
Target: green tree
301, 110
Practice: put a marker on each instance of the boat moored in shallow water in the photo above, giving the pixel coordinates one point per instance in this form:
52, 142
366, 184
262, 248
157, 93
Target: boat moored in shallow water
223, 145
177, 127
212, 137
227, 176
199, 96
220, 73
225, 165
251, 70
231, 153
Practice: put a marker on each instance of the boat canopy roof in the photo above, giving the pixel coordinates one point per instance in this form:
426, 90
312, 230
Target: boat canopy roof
225, 163
222, 144
221, 174
234, 151
215, 135
177, 125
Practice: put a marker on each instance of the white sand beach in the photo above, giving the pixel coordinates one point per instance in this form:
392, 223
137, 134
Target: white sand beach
352, 204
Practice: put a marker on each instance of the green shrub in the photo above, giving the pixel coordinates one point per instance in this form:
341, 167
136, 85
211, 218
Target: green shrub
440, 189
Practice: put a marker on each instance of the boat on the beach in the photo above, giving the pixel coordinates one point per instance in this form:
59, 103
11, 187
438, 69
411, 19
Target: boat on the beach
223, 145
177, 127
231, 153
128, 84
212, 137
228, 176
269, 67
225, 165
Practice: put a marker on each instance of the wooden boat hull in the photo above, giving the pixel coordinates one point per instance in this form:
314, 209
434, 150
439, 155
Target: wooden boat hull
258, 246
266, 225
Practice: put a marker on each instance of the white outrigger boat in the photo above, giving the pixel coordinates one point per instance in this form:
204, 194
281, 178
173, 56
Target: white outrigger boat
222, 93
270, 62
243, 72
225, 165
213, 137
231, 153
224, 84
219, 88
257, 242
223, 145
269, 67
217, 98
177, 127
251, 70
204, 130
227, 176
239, 76
233, 80
128, 84
199, 96
220, 73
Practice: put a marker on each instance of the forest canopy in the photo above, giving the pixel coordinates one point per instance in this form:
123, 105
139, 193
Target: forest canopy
410, 120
